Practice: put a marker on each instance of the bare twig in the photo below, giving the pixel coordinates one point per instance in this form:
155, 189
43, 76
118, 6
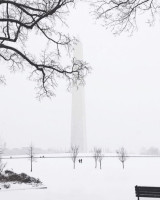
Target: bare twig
121, 15
17, 19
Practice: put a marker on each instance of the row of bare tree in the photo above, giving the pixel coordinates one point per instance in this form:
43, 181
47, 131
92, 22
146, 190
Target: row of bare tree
97, 155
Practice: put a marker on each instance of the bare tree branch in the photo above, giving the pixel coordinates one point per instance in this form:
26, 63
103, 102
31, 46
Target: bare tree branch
17, 20
121, 15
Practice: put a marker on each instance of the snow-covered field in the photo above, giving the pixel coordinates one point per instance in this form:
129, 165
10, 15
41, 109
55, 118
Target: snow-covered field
85, 182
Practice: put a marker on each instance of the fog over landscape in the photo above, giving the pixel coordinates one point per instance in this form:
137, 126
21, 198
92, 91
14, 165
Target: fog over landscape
122, 97
79, 99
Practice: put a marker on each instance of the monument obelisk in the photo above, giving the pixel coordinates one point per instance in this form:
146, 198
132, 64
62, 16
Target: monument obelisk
78, 120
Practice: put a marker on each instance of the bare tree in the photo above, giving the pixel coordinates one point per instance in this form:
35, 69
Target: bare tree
20, 18
121, 15
2, 165
97, 155
74, 153
122, 155
100, 157
31, 155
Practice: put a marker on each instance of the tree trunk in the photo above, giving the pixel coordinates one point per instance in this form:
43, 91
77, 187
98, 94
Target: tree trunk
31, 157
74, 165
95, 163
31, 163
100, 165
123, 164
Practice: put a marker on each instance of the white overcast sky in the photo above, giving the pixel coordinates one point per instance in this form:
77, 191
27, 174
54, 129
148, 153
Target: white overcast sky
122, 93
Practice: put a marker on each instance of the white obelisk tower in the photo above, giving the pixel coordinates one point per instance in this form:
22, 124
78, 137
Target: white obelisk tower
78, 120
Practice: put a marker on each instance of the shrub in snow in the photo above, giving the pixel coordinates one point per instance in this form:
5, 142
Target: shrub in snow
10, 176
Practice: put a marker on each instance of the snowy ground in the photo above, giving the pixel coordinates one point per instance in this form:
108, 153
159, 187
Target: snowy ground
85, 182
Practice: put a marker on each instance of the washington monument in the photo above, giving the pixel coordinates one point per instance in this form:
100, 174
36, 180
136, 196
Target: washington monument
78, 120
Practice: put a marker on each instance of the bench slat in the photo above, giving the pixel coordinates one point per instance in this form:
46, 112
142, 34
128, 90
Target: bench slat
152, 196
149, 189
147, 193
142, 191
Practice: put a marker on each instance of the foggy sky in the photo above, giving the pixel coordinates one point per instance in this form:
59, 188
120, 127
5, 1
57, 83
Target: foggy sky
122, 93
